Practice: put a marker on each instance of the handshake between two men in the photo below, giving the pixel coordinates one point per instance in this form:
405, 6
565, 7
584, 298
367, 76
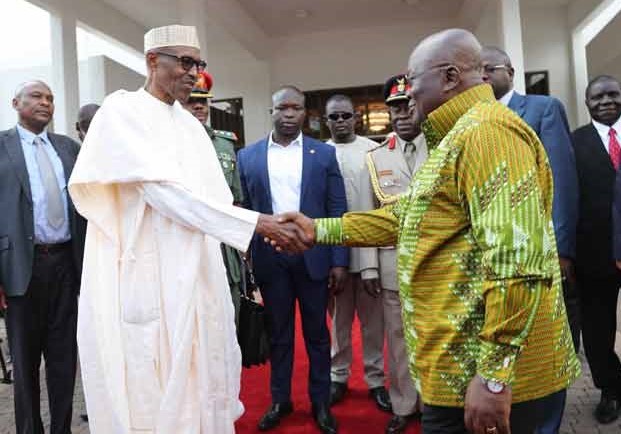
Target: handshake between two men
291, 232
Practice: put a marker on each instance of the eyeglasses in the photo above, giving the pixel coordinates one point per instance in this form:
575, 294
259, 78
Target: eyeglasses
336, 116
186, 62
491, 68
412, 77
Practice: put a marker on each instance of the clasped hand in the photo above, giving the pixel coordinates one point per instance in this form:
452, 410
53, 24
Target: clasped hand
291, 232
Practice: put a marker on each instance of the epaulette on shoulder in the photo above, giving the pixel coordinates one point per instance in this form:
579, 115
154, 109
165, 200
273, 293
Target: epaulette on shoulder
379, 146
229, 135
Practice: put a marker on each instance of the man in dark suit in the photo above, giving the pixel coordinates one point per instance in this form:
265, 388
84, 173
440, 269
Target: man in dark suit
41, 247
546, 116
290, 172
597, 160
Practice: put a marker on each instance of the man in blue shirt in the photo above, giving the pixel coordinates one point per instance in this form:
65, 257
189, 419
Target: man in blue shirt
41, 245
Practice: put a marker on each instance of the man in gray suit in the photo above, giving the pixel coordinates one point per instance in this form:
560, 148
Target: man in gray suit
391, 166
41, 246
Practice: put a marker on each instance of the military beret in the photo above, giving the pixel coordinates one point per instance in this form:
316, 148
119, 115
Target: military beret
203, 85
396, 89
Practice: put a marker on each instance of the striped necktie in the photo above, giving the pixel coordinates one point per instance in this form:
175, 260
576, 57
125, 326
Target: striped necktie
53, 196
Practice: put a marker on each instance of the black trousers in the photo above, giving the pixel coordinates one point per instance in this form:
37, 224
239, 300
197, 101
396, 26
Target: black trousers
43, 322
598, 301
289, 283
525, 417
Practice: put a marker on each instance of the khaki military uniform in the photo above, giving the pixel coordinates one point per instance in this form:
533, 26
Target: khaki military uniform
391, 171
224, 144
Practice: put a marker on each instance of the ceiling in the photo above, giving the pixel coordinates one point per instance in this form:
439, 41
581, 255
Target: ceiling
278, 18
148, 13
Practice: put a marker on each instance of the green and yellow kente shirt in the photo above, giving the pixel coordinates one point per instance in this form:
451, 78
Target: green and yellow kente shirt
478, 271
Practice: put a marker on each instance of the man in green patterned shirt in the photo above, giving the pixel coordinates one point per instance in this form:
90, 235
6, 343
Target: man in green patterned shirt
483, 312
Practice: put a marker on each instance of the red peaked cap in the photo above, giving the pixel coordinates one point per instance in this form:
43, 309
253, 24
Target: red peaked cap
396, 89
203, 85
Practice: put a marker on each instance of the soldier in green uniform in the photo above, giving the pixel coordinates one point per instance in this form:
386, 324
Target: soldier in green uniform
224, 144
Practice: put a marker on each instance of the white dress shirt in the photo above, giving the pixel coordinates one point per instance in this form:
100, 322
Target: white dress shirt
284, 166
603, 130
507, 97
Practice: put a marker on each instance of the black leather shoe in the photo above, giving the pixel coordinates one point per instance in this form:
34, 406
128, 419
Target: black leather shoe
608, 408
323, 417
382, 398
398, 424
337, 392
276, 412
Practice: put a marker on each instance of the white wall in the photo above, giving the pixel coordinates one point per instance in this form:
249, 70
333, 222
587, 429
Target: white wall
101, 17
92, 80
487, 30
237, 73
547, 46
99, 76
604, 52
11, 79
345, 58
117, 76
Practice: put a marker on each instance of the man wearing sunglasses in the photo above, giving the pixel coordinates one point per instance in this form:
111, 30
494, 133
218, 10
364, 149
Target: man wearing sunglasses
546, 116
392, 166
362, 292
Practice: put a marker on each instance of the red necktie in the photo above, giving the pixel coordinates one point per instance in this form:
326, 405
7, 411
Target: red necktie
614, 149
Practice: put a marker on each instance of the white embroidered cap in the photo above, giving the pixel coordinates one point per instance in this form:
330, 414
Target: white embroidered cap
168, 36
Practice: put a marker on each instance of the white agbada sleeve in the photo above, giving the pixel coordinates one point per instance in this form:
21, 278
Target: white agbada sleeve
227, 223
156, 332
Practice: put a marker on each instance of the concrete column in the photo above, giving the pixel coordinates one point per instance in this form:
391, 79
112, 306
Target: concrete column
194, 13
510, 30
582, 34
581, 76
65, 83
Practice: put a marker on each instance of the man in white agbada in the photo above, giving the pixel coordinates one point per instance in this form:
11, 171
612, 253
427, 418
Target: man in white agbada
156, 329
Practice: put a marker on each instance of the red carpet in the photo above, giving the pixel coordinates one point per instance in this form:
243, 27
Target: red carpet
357, 414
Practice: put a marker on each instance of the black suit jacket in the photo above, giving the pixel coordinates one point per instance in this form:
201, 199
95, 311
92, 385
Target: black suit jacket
16, 218
596, 178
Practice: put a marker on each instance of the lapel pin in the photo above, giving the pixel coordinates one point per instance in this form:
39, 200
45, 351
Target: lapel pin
312, 151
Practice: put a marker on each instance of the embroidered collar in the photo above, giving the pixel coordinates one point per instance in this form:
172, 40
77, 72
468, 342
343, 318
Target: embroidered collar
441, 120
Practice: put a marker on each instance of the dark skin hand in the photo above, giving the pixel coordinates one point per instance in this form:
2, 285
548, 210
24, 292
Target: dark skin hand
305, 224
283, 235
567, 269
3, 303
484, 409
372, 287
336, 279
